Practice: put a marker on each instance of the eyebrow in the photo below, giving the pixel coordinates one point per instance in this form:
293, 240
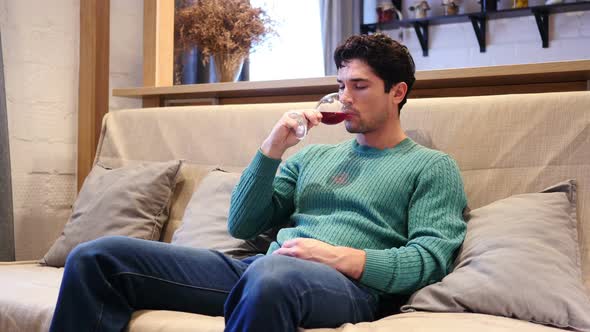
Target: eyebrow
354, 80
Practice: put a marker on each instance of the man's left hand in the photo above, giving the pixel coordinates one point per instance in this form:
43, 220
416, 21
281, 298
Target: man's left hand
349, 261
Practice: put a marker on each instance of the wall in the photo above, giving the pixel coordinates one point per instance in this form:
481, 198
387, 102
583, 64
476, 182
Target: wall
40, 44
40, 41
509, 41
126, 62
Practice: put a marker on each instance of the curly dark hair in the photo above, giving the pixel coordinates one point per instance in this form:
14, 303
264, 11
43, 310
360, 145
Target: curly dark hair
388, 59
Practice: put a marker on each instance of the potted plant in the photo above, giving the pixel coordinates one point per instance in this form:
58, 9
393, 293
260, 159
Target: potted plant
223, 29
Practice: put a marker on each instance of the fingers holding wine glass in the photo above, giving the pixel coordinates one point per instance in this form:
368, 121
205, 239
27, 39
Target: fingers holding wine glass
299, 127
295, 124
288, 131
314, 117
306, 119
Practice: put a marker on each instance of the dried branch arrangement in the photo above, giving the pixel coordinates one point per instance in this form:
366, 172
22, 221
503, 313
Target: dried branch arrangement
229, 27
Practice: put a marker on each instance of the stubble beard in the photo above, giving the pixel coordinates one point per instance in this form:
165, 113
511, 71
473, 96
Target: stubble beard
363, 127
352, 129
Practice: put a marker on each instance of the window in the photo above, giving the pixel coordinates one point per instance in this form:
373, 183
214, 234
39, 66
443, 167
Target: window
297, 50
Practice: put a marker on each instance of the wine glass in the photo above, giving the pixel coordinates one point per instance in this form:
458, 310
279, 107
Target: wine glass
331, 109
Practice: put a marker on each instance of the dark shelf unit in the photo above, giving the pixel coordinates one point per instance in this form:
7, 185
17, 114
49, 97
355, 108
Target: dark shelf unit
479, 21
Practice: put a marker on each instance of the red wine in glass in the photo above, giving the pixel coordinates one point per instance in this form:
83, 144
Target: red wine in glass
331, 109
332, 118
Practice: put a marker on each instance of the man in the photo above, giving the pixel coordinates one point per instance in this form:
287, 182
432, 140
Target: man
373, 217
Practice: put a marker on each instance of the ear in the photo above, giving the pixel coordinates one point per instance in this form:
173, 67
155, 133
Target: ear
398, 92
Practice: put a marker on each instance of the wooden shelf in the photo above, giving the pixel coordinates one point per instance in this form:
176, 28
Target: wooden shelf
525, 78
479, 21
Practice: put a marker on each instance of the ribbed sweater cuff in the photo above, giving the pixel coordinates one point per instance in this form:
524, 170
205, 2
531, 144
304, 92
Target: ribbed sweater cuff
263, 166
379, 268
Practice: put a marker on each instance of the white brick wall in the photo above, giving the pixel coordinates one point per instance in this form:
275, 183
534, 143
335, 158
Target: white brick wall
40, 45
40, 42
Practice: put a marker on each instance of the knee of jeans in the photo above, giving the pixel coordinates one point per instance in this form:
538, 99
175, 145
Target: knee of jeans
88, 251
274, 275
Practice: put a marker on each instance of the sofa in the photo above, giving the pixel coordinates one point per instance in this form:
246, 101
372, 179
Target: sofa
505, 145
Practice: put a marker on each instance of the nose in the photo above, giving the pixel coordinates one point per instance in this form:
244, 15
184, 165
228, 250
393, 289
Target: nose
345, 97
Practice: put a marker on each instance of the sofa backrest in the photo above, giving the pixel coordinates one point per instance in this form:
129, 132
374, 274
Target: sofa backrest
206, 137
504, 145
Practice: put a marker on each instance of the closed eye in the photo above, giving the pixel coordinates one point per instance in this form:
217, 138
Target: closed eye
357, 87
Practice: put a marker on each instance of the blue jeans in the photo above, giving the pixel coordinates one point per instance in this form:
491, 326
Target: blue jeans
105, 280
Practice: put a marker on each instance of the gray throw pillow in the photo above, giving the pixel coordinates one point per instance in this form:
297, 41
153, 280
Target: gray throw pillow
131, 201
204, 224
520, 259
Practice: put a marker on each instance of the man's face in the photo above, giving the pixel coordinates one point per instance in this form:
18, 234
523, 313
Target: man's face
363, 94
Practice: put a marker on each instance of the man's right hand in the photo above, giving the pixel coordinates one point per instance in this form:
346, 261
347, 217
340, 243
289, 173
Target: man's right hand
283, 136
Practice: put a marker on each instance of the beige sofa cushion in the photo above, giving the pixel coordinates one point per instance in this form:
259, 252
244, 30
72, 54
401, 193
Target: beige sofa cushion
29, 292
159, 321
191, 176
520, 259
204, 224
130, 201
28, 296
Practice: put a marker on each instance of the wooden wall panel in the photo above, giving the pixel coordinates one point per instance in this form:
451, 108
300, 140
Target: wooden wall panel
158, 42
93, 95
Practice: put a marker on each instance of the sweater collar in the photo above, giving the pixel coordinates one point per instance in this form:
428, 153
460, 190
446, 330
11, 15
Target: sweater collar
403, 146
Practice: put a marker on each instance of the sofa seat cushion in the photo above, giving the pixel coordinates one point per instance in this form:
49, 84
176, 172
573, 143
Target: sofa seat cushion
29, 292
161, 320
444, 322
164, 320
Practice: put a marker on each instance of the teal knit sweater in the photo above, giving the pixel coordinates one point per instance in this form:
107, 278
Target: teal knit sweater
403, 206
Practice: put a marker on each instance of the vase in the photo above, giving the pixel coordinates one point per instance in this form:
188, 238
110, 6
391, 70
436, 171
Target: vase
227, 66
